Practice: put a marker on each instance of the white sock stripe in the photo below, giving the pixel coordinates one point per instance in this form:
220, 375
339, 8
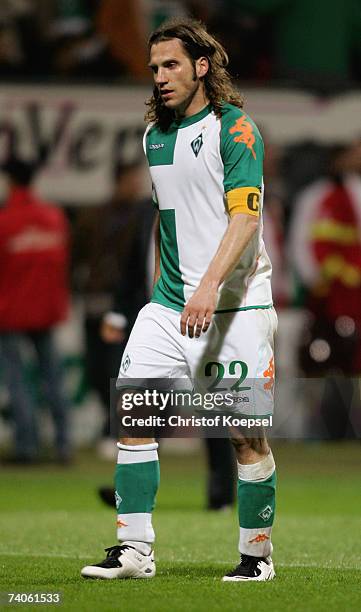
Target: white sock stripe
257, 471
136, 527
255, 542
126, 458
138, 447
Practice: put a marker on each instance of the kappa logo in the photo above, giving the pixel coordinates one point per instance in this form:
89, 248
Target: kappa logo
246, 133
269, 373
126, 363
260, 537
118, 499
155, 147
266, 513
197, 144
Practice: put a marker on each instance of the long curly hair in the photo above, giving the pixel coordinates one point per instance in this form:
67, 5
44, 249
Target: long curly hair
197, 42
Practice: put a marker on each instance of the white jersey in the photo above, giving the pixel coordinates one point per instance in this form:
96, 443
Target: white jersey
193, 165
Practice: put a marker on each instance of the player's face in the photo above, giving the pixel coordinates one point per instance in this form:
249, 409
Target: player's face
178, 81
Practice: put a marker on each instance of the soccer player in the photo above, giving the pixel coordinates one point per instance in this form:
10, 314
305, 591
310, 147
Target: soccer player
212, 297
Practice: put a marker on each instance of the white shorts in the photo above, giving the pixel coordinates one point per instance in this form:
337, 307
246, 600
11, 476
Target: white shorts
237, 351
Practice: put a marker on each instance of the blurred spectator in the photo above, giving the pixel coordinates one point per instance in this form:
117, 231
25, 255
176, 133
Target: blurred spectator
248, 38
106, 39
157, 11
11, 55
123, 27
302, 164
313, 42
325, 245
33, 299
325, 237
21, 40
274, 222
109, 271
79, 51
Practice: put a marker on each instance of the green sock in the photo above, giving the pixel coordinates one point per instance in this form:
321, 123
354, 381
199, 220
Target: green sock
256, 506
136, 485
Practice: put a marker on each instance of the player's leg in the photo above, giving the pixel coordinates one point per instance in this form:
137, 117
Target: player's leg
148, 355
136, 486
22, 404
256, 508
52, 379
238, 350
255, 462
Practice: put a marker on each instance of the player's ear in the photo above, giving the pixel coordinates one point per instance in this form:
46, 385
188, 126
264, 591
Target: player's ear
202, 67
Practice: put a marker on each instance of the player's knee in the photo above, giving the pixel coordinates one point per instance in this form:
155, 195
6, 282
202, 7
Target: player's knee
243, 444
259, 444
135, 425
239, 443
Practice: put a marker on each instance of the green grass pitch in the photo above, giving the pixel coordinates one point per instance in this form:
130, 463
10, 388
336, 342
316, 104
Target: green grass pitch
52, 523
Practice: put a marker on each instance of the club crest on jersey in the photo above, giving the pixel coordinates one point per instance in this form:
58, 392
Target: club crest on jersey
126, 363
266, 513
118, 499
196, 144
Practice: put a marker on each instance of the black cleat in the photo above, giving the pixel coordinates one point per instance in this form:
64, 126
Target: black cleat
251, 568
122, 561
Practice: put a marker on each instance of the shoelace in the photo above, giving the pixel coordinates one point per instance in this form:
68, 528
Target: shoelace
248, 563
114, 551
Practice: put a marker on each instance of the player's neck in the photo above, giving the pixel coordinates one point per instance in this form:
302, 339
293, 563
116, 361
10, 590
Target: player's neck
193, 106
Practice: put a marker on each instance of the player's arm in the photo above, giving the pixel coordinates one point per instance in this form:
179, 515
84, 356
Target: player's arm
198, 312
242, 152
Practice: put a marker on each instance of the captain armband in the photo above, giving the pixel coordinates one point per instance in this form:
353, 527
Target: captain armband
244, 200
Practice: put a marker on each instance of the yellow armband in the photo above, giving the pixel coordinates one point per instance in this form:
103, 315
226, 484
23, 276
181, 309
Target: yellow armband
244, 200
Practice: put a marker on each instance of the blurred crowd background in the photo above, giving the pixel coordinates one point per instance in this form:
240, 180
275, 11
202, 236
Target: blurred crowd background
290, 42
74, 78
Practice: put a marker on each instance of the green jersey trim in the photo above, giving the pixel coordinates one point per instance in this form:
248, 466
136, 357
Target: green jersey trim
256, 307
169, 289
186, 121
160, 298
160, 146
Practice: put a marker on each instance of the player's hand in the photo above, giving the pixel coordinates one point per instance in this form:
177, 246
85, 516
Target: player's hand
197, 313
111, 334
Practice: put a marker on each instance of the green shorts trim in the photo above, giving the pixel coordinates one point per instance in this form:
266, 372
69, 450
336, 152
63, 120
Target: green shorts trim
256, 307
178, 308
